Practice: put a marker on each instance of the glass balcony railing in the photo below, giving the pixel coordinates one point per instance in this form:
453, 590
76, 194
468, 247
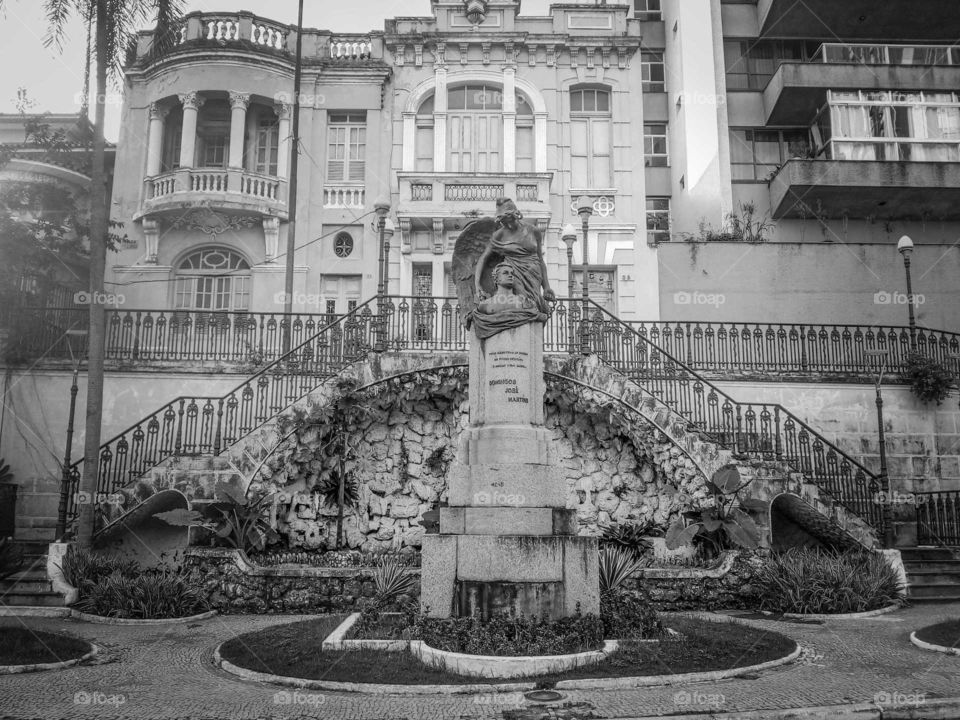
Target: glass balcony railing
902, 149
869, 54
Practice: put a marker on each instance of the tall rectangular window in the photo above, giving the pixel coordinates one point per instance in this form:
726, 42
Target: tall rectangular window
347, 147
172, 137
652, 74
755, 155
590, 138
268, 146
658, 220
655, 146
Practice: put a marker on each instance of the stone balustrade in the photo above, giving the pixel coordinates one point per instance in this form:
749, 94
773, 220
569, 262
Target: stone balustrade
231, 186
344, 196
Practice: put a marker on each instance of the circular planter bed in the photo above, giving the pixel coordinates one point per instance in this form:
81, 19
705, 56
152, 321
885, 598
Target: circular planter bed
480, 666
835, 616
943, 637
701, 650
104, 620
26, 650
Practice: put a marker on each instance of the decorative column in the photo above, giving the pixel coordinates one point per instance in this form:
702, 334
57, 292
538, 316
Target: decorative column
285, 114
408, 162
540, 142
440, 121
271, 238
158, 114
509, 119
238, 125
192, 102
151, 239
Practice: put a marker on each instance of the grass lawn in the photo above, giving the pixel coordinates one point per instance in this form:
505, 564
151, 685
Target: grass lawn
23, 646
294, 650
946, 634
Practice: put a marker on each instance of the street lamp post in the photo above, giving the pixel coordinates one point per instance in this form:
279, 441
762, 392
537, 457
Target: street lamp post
886, 508
569, 239
905, 247
956, 362
585, 210
75, 359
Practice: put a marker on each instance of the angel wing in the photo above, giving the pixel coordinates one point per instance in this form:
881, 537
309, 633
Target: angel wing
471, 243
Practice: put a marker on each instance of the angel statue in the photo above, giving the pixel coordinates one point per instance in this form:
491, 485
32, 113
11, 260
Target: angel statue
500, 274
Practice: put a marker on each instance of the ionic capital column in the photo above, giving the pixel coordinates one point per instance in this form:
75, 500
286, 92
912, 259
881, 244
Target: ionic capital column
238, 121
192, 102
158, 114
285, 115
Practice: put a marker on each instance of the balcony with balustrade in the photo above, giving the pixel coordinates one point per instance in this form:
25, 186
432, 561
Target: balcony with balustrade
229, 189
447, 194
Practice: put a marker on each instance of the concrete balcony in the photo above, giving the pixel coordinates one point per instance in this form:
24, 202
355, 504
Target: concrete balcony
220, 189
797, 91
432, 194
860, 189
869, 19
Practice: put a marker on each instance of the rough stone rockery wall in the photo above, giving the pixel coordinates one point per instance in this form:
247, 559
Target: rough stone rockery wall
401, 437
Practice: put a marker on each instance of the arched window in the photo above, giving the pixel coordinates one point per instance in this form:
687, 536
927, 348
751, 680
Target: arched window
213, 278
474, 129
590, 138
423, 142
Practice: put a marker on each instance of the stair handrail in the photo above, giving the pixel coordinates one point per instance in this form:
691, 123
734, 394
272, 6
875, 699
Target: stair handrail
178, 416
774, 415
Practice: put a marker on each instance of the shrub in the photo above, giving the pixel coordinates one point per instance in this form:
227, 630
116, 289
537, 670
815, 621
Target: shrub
513, 635
83, 568
148, 596
929, 380
391, 579
629, 615
817, 581
631, 537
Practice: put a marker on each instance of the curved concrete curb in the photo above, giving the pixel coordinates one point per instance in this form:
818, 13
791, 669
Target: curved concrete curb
930, 646
684, 678
336, 641
15, 669
100, 619
838, 616
495, 666
229, 667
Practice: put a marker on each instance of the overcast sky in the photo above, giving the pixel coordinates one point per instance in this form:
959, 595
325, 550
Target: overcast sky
54, 80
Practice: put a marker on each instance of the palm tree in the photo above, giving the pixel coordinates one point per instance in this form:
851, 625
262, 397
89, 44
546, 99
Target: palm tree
114, 23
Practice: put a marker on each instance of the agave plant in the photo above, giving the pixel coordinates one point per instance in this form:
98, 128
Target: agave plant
631, 537
616, 565
391, 579
236, 520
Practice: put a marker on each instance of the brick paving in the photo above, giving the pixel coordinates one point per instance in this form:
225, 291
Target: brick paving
166, 672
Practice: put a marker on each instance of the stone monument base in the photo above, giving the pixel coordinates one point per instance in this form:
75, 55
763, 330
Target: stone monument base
494, 574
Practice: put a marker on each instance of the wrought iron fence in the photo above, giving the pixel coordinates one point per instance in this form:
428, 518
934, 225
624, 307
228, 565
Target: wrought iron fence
199, 425
430, 323
938, 518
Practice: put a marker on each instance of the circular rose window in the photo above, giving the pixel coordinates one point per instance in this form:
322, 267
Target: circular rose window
343, 245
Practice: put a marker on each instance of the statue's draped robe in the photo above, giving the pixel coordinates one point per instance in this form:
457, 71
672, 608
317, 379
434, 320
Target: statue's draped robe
519, 251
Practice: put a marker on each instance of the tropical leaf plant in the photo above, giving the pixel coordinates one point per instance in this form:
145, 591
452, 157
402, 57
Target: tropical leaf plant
236, 520
633, 537
391, 579
722, 524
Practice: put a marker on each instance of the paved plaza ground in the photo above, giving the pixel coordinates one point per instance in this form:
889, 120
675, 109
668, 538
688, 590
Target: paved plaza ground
166, 672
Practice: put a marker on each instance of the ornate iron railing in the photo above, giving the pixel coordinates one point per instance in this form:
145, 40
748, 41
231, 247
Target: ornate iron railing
938, 518
429, 323
199, 425
164, 335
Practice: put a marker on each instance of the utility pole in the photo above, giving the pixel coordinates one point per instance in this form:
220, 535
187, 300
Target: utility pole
292, 195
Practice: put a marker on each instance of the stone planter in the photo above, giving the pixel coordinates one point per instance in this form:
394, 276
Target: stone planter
661, 553
494, 666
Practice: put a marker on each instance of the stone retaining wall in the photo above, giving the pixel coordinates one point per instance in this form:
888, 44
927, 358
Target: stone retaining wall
729, 586
235, 585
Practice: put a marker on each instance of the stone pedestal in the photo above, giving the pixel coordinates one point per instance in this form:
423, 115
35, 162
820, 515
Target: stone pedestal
506, 541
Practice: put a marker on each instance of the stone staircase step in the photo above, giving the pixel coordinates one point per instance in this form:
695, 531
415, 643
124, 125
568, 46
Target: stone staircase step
42, 598
933, 577
929, 554
935, 591
6, 586
948, 566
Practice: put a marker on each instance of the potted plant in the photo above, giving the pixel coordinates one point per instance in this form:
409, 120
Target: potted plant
929, 380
